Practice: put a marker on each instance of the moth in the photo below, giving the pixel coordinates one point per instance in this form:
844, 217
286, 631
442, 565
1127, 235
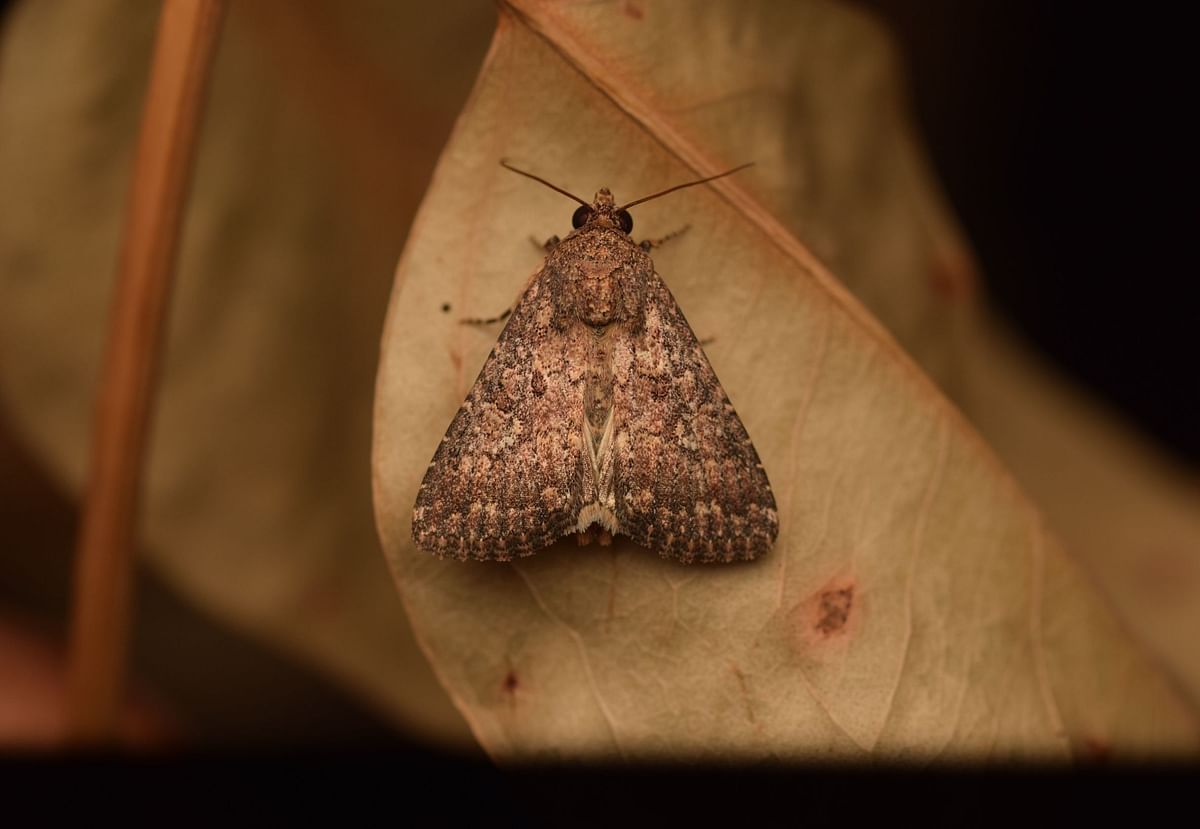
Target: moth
596, 413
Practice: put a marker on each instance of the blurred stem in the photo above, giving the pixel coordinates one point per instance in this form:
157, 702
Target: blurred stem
101, 611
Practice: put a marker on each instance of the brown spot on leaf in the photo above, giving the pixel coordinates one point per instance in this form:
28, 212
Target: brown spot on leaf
456, 359
1095, 750
632, 11
511, 682
832, 614
952, 275
834, 610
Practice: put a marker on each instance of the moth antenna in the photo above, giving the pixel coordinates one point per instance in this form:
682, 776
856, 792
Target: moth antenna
556, 188
679, 186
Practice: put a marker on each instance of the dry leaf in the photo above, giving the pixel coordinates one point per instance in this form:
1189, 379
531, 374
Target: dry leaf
915, 605
257, 502
1128, 513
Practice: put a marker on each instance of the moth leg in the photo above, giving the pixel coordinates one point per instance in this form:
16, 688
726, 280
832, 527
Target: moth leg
604, 538
489, 321
583, 538
649, 244
546, 246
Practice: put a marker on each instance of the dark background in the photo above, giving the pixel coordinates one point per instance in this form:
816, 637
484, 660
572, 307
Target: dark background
1064, 134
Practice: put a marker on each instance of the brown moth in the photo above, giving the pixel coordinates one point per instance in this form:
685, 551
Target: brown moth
596, 412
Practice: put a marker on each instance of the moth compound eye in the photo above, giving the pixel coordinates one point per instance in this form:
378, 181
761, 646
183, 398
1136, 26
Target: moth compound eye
581, 215
625, 221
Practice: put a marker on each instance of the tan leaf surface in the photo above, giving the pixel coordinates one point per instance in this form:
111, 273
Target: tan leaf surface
915, 605
1130, 514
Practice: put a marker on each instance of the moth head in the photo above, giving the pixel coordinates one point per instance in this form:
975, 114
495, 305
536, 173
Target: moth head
603, 212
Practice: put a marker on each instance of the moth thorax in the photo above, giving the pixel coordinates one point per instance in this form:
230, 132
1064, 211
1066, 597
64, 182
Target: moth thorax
600, 297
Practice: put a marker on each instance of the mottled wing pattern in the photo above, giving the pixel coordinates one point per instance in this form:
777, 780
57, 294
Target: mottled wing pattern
688, 481
509, 476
